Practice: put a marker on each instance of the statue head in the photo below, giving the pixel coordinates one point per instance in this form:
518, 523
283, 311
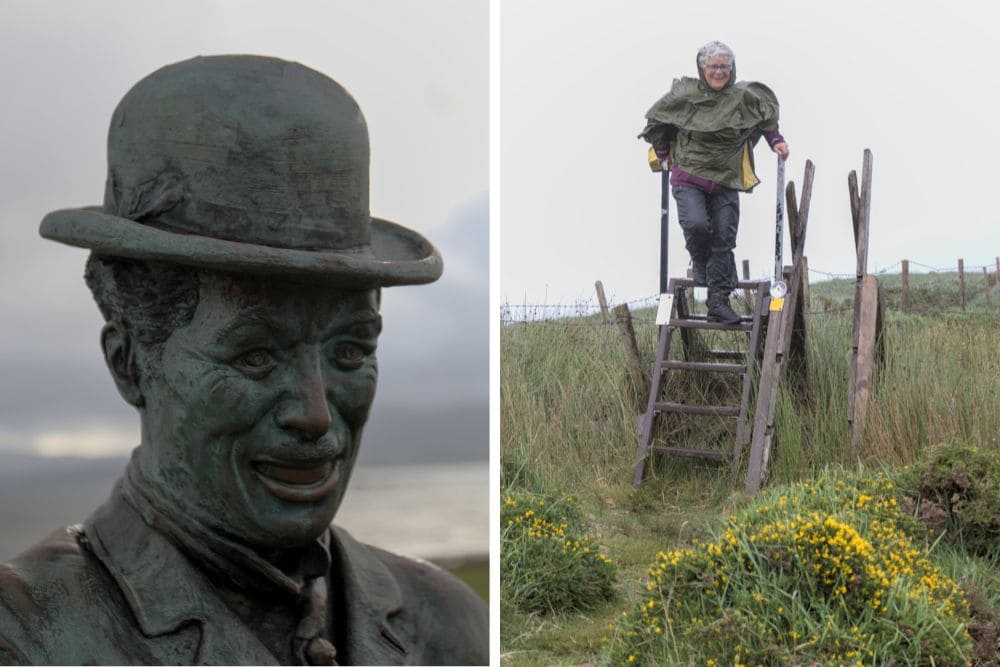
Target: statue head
239, 271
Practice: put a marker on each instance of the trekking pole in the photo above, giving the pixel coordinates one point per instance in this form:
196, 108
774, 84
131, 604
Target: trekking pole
778, 286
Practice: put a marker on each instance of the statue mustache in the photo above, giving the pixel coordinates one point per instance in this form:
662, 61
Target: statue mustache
309, 450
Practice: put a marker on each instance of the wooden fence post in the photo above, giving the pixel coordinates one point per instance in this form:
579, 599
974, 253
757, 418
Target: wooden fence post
602, 300
906, 285
986, 286
624, 319
961, 283
867, 308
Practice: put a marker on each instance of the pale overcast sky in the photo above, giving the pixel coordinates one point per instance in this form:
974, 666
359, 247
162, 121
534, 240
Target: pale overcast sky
914, 82
417, 69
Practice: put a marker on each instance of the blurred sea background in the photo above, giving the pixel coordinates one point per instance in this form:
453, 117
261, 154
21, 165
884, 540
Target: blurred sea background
435, 509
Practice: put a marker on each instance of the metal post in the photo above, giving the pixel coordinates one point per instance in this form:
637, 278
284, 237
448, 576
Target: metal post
664, 225
779, 216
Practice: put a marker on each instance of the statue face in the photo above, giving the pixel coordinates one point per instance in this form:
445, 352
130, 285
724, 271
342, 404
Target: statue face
253, 415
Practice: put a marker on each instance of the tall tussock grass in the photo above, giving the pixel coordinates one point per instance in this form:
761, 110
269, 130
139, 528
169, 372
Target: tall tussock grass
569, 408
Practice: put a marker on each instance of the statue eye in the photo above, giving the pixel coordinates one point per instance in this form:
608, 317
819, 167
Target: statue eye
255, 362
349, 356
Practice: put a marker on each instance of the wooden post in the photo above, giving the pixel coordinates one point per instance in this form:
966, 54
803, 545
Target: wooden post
864, 213
866, 308
906, 285
961, 283
624, 319
602, 300
996, 275
767, 392
806, 300
852, 192
865, 355
785, 343
986, 285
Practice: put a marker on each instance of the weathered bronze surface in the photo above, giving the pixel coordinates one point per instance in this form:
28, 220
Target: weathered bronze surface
238, 270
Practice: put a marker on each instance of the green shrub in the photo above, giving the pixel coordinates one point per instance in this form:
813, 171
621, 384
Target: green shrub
826, 572
955, 490
547, 561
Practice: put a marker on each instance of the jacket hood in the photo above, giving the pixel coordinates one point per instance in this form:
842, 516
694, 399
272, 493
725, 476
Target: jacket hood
704, 81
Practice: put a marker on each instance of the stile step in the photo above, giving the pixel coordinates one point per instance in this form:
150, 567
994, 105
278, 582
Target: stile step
702, 317
703, 324
705, 366
694, 453
711, 410
726, 354
743, 284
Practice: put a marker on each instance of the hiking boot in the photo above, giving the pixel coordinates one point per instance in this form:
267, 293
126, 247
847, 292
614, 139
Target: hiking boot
719, 309
698, 274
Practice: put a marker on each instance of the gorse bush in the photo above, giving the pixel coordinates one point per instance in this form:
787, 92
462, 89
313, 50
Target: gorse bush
955, 490
825, 572
547, 561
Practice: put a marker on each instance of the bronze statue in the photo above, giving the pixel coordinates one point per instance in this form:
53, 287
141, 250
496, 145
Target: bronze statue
238, 270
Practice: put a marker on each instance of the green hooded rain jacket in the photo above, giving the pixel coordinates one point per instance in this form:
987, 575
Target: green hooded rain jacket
717, 130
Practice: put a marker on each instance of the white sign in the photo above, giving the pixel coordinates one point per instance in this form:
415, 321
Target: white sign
664, 309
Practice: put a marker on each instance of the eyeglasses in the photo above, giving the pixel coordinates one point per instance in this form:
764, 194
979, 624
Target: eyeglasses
719, 68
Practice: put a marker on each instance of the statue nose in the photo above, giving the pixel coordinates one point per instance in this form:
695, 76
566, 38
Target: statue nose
307, 410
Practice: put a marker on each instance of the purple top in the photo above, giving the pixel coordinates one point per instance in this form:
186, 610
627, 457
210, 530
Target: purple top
684, 179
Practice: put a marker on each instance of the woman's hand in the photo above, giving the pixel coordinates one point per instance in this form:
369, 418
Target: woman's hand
781, 148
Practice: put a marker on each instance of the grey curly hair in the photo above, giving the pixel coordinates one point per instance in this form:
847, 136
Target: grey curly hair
715, 48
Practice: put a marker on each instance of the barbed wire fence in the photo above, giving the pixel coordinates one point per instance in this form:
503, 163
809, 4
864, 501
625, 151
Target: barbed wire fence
587, 312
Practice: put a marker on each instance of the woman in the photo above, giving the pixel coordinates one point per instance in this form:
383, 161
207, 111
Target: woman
707, 128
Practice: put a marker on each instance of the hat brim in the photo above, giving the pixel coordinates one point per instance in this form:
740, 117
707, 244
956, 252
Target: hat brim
398, 256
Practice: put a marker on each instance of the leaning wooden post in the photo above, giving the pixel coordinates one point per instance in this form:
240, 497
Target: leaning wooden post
864, 343
961, 283
786, 336
624, 319
599, 286
906, 285
767, 395
793, 341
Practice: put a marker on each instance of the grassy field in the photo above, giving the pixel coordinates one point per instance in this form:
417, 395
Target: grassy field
568, 418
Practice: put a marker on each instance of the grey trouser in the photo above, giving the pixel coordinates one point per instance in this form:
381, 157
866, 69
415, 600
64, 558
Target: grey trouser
710, 222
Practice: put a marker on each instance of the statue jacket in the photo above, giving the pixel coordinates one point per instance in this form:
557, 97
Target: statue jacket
116, 591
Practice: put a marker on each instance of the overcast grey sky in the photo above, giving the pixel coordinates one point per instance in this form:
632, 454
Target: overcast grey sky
914, 82
418, 71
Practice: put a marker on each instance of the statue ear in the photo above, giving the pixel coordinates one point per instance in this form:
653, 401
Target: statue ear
119, 353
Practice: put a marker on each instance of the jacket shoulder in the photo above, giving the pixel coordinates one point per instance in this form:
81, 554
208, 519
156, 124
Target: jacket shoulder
31, 588
51, 597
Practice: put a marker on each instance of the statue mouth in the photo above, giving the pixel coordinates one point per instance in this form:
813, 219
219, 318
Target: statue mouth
298, 481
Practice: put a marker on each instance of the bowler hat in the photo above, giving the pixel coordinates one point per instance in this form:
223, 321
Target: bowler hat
247, 164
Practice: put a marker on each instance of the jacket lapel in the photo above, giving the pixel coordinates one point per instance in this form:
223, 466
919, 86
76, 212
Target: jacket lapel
373, 601
166, 592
